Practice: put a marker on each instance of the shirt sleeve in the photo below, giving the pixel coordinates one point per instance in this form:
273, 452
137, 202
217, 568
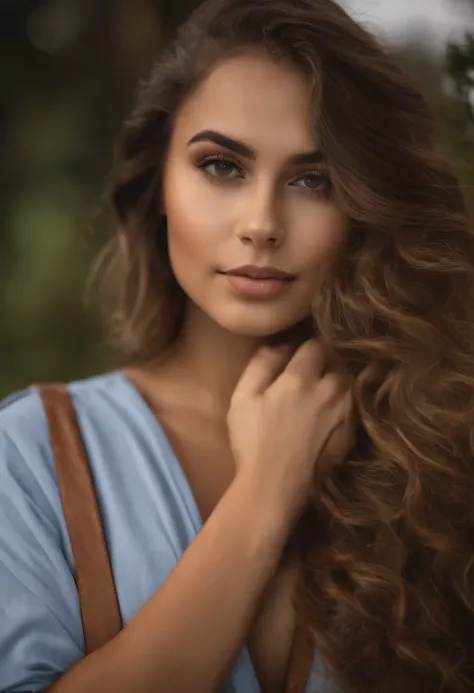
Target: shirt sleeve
40, 624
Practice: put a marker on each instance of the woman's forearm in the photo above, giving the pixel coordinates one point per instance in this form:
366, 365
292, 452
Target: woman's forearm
189, 633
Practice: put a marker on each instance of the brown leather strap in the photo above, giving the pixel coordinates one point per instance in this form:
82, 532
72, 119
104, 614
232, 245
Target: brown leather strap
101, 620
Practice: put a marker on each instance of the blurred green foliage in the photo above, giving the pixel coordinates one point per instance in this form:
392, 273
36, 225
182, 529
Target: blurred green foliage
68, 75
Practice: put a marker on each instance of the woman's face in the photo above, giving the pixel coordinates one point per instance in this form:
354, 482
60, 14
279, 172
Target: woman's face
244, 184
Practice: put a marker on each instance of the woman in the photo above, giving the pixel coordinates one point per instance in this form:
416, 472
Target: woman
275, 135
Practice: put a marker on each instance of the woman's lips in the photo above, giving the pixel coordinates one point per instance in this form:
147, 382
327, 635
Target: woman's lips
257, 288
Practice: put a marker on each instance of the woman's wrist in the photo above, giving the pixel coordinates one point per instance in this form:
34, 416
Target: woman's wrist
271, 516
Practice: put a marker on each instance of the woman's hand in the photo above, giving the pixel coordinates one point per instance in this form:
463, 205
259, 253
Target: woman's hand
287, 416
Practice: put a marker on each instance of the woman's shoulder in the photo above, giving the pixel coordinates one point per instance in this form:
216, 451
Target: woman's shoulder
23, 417
116, 426
21, 412
24, 442
29, 492
24, 433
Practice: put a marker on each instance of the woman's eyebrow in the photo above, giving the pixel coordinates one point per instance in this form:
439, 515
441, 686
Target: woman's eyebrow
244, 150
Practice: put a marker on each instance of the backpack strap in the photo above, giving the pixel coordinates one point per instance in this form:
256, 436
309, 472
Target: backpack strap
101, 620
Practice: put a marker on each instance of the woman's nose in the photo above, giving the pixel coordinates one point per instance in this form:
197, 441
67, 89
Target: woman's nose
259, 237
261, 225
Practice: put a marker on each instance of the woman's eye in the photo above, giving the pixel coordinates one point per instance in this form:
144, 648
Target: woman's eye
220, 168
314, 181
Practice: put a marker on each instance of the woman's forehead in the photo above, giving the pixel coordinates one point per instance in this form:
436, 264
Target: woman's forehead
255, 99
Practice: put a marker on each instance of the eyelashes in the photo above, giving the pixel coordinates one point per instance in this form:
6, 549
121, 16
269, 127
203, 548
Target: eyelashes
220, 159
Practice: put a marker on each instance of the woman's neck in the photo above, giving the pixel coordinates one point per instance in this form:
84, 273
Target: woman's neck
205, 365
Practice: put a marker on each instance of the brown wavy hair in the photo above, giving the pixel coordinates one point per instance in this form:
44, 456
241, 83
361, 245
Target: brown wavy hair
391, 547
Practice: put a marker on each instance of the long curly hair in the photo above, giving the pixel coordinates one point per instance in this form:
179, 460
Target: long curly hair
391, 547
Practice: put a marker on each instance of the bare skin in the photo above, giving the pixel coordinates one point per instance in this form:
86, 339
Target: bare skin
246, 424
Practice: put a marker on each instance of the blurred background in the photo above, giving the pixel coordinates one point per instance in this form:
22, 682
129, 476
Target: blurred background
69, 70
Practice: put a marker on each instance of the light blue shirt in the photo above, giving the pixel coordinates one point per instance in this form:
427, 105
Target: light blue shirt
149, 514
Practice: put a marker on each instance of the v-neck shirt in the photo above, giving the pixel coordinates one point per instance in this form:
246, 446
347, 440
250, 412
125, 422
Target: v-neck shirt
148, 512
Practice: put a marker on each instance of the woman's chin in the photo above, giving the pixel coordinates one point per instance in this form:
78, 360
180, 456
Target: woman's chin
295, 333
